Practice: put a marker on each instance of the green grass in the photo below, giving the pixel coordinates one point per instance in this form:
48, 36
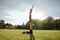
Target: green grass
38, 34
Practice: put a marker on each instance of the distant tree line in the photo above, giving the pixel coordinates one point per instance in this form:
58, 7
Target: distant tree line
47, 24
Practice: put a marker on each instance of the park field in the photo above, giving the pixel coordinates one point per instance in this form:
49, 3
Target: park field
14, 34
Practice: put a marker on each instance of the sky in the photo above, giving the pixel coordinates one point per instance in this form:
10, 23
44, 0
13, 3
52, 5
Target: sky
17, 11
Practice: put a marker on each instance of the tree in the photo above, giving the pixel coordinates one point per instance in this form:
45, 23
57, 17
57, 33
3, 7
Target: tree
57, 24
48, 23
8, 26
2, 24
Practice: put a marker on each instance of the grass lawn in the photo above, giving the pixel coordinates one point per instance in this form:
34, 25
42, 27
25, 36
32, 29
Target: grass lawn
11, 34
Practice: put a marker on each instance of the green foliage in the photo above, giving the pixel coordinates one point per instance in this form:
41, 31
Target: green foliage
47, 24
2, 24
57, 24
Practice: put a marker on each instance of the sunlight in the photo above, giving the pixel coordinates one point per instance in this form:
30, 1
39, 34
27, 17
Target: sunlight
38, 14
